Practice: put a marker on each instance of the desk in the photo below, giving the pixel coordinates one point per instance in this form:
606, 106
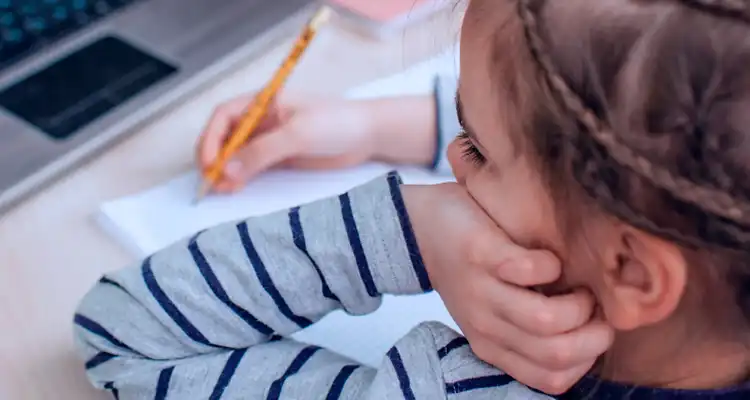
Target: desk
52, 251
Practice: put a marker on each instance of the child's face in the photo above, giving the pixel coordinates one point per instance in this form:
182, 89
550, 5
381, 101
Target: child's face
499, 177
502, 181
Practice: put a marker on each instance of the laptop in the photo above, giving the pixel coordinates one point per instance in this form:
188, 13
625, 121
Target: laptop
77, 75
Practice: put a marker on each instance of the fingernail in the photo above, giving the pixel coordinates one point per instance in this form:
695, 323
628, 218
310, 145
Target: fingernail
233, 169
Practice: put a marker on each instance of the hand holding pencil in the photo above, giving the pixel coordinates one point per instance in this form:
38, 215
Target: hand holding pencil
250, 122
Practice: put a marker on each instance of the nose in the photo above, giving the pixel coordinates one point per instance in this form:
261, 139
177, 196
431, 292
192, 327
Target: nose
455, 159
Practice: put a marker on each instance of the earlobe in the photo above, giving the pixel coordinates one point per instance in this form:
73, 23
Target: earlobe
644, 281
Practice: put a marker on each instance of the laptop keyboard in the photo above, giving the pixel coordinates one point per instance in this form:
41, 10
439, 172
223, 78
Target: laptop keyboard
26, 26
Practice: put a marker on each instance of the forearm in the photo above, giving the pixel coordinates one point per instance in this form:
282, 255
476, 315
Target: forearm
280, 369
431, 362
233, 286
403, 129
415, 129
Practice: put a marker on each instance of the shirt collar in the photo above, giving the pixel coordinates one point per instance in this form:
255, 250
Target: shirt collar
594, 388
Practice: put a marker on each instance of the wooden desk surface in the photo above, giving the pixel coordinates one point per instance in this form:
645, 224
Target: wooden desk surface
52, 251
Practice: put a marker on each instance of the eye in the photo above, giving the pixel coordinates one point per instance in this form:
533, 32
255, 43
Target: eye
469, 152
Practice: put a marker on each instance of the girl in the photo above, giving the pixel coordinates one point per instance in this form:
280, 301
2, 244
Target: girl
625, 155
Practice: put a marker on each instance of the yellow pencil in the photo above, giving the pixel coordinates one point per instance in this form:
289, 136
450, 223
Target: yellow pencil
255, 114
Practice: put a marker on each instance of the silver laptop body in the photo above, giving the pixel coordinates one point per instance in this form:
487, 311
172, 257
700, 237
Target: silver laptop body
71, 98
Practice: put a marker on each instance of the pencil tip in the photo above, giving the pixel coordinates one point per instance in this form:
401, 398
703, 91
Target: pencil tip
202, 192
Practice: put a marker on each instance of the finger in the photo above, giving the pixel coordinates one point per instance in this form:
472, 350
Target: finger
536, 313
260, 154
223, 186
531, 374
218, 128
556, 353
494, 251
529, 268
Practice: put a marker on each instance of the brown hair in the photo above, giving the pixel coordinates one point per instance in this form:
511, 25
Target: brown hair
646, 106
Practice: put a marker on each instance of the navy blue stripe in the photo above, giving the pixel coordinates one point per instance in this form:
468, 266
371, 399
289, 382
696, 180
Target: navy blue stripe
339, 381
275, 391
99, 330
99, 359
227, 373
411, 240
106, 281
359, 253
111, 387
265, 279
169, 307
403, 377
452, 345
438, 123
275, 338
298, 234
482, 382
162, 385
220, 293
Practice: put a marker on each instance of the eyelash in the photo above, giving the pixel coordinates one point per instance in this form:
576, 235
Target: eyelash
469, 152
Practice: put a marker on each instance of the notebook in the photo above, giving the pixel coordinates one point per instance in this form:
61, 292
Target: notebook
148, 221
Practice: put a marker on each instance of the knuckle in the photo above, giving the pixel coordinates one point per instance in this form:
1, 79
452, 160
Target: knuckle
544, 320
556, 384
559, 354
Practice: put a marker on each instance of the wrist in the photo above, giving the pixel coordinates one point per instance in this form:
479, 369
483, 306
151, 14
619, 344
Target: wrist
402, 129
418, 203
392, 257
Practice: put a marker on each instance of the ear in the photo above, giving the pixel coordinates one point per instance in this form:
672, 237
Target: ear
644, 280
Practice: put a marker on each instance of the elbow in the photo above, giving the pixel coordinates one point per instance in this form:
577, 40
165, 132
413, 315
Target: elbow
96, 334
98, 328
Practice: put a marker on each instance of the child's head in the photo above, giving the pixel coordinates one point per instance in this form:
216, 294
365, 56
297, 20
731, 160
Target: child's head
617, 134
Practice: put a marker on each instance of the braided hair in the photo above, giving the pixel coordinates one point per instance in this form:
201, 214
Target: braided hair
732, 214
600, 155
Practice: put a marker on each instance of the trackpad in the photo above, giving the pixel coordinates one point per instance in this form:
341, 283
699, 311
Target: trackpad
74, 91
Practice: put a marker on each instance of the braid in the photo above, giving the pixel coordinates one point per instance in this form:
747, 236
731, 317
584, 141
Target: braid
715, 230
738, 9
706, 198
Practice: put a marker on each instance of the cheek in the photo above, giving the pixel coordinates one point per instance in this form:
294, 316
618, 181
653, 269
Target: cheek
516, 202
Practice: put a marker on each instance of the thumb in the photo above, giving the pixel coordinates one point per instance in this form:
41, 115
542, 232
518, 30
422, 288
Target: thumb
260, 154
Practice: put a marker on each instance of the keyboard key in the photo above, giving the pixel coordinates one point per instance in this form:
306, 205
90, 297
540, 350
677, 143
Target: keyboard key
29, 25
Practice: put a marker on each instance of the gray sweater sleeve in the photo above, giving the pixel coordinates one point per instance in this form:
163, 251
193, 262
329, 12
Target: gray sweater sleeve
447, 121
206, 317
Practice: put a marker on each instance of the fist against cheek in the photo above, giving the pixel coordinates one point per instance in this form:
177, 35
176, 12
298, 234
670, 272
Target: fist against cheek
547, 343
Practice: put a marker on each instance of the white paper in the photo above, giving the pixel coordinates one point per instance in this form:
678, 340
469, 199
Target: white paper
156, 218
148, 221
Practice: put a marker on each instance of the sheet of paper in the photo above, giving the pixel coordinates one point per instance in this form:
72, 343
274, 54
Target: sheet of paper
149, 221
